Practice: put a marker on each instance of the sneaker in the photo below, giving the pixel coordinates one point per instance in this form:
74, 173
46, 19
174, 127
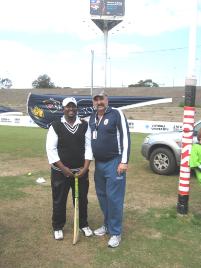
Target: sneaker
87, 231
101, 231
58, 235
114, 241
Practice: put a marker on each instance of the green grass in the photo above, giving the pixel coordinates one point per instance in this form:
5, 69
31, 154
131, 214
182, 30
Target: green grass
158, 238
154, 234
17, 143
22, 142
12, 187
182, 104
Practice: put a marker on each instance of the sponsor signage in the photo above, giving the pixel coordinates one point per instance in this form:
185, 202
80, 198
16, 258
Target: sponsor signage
140, 126
107, 8
21, 121
143, 126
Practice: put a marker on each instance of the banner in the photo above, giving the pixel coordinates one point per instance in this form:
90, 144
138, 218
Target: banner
44, 109
16, 121
107, 7
4, 109
145, 126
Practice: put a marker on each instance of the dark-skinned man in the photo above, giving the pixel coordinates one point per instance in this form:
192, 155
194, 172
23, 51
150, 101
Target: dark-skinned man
110, 141
68, 149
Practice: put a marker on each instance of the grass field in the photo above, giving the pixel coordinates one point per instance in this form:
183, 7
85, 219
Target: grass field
154, 235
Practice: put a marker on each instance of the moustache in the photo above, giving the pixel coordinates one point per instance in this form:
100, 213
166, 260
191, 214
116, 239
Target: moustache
101, 105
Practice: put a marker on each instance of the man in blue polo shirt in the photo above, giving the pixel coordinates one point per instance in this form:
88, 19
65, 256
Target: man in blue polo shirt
110, 141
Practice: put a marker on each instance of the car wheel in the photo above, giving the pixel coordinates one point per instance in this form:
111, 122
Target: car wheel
162, 161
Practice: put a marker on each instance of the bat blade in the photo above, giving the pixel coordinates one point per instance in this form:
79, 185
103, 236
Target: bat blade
76, 214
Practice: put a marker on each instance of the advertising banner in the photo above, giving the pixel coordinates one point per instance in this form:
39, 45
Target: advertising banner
107, 7
17, 121
138, 126
145, 126
44, 109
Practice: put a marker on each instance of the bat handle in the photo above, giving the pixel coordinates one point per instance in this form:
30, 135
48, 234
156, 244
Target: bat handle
76, 187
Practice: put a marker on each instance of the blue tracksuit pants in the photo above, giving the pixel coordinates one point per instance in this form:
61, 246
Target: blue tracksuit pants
110, 190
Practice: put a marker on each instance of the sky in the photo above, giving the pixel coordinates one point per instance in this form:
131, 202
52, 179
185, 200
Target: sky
56, 37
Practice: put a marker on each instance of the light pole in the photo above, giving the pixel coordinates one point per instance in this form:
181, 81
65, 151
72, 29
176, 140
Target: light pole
106, 19
110, 70
105, 32
92, 71
198, 68
173, 78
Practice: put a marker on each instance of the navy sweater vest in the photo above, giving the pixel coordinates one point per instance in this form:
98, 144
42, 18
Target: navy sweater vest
71, 143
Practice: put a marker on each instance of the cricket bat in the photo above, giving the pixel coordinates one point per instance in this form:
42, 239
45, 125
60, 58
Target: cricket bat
76, 213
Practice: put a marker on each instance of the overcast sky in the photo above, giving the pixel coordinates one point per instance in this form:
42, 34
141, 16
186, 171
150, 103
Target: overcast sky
55, 37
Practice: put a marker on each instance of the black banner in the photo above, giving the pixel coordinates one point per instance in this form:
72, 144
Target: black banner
44, 109
4, 109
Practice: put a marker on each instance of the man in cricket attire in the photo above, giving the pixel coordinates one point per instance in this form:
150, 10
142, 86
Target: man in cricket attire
68, 149
110, 141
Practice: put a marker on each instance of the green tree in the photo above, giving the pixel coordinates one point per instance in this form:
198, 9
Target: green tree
43, 81
5, 83
145, 83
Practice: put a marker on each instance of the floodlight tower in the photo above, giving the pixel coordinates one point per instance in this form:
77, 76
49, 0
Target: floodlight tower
106, 14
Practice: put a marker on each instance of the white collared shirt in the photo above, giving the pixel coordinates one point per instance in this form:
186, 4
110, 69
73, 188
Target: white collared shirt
52, 142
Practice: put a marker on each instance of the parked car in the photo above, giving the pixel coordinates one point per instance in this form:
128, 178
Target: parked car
163, 150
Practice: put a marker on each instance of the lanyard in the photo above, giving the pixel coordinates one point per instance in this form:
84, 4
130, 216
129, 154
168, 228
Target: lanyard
97, 121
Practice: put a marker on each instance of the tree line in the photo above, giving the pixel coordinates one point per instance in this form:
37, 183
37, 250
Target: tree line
44, 81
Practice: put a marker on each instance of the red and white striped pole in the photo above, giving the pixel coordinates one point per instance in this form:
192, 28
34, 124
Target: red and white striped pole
185, 172
188, 119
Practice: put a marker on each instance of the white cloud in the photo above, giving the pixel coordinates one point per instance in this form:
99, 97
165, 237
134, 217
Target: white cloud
144, 17
154, 17
115, 49
54, 16
22, 64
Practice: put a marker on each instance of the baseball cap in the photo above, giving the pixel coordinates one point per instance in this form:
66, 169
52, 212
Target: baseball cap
99, 94
66, 101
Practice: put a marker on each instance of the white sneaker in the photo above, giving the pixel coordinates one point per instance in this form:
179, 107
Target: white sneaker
87, 231
58, 235
114, 241
101, 231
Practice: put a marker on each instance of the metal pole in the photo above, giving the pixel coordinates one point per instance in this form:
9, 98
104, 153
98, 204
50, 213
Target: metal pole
110, 72
189, 117
105, 43
92, 71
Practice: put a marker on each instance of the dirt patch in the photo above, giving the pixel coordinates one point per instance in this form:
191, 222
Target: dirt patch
143, 200
29, 233
151, 233
21, 166
26, 232
147, 190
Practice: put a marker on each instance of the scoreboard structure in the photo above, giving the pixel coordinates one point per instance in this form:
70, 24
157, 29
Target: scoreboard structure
106, 14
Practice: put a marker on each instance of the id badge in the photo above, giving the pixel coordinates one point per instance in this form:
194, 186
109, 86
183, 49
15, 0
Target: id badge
94, 135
